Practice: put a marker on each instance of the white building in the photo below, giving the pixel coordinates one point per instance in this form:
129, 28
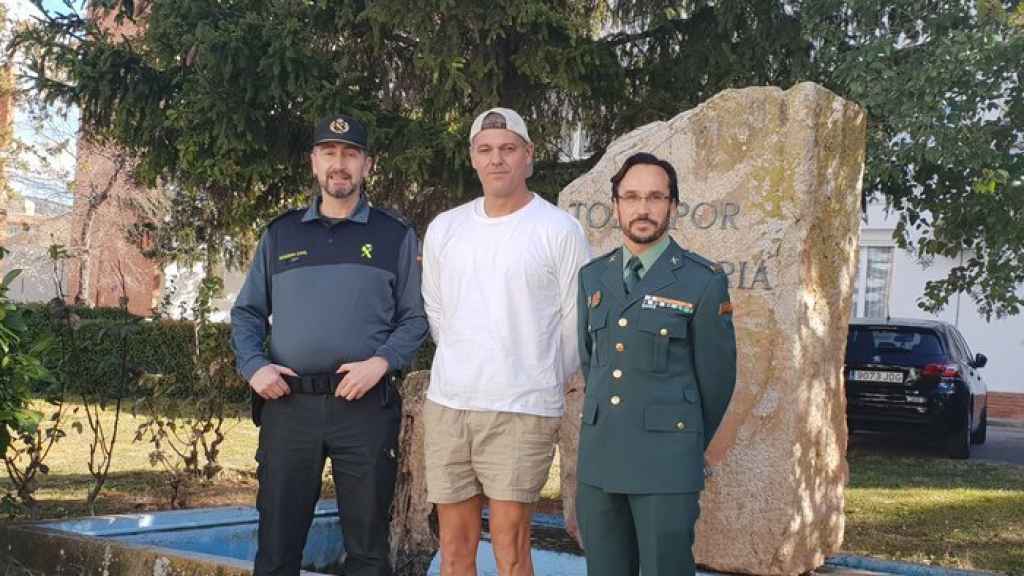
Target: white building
891, 281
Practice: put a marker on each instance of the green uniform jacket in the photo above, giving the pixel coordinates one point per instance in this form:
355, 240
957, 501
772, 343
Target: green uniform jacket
660, 368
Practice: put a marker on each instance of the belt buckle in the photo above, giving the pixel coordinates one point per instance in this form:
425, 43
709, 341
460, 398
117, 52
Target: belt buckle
323, 384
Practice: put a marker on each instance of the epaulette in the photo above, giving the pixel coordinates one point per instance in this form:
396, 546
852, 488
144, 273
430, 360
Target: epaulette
602, 258
394, 215
703, 261
284, 215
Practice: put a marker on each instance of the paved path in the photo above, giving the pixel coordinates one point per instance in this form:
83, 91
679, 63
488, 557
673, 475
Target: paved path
1005, 444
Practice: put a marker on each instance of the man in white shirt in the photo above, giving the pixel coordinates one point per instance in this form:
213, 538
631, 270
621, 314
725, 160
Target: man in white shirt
499, 288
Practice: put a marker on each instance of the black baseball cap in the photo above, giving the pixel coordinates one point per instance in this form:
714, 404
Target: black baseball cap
341, 128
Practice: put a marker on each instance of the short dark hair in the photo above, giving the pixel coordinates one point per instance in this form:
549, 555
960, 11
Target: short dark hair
647, 158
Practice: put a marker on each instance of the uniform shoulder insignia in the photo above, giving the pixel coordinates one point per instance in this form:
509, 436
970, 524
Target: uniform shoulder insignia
394, 215
285, 215
702, 261
602, 258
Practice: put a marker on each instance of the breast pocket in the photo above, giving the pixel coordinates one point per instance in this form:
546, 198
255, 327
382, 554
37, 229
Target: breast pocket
668, 332
597, 326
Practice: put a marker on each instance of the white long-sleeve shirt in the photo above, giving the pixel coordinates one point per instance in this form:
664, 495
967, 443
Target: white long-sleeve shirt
500, 295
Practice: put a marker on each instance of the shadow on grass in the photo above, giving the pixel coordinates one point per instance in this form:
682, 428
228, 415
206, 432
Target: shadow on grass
907, 501
966, 529
63, 495
886, 461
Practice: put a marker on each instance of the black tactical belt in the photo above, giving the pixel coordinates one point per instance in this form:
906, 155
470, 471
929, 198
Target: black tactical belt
323, 384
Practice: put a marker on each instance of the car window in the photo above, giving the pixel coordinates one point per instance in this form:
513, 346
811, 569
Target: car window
889, 345
968, 355
956, 344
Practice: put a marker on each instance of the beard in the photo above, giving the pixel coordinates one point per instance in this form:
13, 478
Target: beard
340, 192
659, 229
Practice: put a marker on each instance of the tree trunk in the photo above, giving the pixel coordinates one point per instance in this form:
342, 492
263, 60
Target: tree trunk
96, 198
413, 525
568, 445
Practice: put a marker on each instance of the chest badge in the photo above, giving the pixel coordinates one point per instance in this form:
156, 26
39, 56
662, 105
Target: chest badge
651, 302
367, 251
595, 299
292, 256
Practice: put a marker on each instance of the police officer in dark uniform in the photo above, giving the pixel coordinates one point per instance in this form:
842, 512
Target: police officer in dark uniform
658, 354
342, 283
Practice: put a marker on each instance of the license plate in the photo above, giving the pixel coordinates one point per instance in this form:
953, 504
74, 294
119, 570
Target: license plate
877, 376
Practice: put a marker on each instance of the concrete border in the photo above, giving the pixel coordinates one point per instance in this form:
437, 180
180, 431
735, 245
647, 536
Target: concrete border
869, 564
38, 547
1005, 423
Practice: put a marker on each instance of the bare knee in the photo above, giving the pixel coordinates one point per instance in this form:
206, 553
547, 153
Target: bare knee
459, 537
510, 536
458, 551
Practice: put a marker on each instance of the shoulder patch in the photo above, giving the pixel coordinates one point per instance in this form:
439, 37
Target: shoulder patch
704, 262
394, 215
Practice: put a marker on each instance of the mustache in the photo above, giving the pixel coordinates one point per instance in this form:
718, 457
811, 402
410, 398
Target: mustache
642, 219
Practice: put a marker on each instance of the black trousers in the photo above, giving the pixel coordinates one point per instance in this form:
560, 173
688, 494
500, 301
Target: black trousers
298, 433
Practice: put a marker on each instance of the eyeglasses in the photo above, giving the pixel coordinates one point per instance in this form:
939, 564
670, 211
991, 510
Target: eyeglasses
631, 199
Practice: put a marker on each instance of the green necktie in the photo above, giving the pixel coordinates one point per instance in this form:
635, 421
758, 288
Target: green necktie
633, 267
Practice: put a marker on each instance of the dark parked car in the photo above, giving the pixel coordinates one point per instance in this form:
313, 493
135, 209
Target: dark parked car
915, 374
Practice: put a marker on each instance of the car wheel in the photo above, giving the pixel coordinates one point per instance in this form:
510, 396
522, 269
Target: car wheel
958, 445
979, 435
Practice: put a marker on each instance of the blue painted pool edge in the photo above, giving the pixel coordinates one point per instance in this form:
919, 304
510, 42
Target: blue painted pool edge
897, 567
181, 522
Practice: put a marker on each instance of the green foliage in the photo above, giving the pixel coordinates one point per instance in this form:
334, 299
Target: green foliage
186, 432
216, 100
160, 349
941, 82
20, 367
23, 431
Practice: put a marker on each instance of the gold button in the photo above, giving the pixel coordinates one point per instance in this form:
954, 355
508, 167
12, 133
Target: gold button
623, 322
616, 373
619, 347
664, 332
615, 400
680, 425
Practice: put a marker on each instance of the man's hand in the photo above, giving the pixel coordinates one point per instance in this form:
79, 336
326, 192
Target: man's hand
360, 377
268, 383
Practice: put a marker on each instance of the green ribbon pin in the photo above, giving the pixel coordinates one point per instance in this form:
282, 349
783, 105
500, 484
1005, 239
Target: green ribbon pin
367, 251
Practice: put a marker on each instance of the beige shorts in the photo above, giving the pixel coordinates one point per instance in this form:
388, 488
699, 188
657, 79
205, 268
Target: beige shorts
503, 455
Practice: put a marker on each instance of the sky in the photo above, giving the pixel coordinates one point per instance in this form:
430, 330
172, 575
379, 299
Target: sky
30, 179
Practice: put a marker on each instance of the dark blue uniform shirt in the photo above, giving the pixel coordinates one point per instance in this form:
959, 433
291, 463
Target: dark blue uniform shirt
337, 293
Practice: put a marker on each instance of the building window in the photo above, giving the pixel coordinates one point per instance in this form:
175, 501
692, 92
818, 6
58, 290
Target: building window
873, 284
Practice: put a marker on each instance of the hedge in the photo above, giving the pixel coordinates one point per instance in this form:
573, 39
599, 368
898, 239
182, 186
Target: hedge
156, 347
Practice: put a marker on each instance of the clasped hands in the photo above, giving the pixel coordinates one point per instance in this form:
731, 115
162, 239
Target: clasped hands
360, 377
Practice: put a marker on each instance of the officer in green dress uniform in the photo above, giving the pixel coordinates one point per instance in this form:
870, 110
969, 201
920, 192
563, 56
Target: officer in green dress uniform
658, 353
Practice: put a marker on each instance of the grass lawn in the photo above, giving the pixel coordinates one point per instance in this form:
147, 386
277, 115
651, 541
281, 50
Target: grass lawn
960, 514
906, 505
